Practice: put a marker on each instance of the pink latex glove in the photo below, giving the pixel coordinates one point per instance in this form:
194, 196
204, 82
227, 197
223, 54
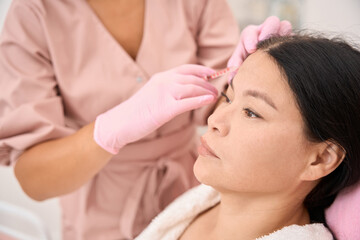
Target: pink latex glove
343, 216
252, 34
164, 96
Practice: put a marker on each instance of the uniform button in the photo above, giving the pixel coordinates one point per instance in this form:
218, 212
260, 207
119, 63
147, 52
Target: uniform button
139, 79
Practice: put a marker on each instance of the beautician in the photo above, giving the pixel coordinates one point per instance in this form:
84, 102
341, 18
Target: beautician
98, 108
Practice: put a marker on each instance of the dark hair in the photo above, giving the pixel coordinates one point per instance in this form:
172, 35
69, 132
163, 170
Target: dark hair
324, 75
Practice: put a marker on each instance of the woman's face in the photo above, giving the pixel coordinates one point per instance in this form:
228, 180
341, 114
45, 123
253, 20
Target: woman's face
257, 135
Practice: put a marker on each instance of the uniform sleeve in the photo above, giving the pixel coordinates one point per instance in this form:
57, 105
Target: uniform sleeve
217, 37
31, 110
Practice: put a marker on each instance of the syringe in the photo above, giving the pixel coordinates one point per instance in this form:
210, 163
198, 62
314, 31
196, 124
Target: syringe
221, 73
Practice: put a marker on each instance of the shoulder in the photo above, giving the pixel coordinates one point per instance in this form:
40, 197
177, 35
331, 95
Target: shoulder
28, 13
35, 19
36, 6
196, 9
42, 8
24, 23
315, 231
200, 12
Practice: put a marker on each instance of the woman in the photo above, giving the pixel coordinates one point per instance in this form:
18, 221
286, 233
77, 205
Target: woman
65, 63
278, 149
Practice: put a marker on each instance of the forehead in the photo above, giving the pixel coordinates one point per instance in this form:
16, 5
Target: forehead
260, 72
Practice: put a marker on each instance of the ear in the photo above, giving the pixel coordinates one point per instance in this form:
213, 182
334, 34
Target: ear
326, 158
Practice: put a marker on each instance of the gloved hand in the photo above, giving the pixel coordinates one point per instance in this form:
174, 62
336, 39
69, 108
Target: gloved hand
252, 34
164, 96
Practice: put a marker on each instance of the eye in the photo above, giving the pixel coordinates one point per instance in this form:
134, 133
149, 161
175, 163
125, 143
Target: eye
226, 97
250, 113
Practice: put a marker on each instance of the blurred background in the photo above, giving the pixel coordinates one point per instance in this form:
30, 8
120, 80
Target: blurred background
331, 16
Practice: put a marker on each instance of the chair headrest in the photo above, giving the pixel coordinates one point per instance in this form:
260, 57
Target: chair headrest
343, 216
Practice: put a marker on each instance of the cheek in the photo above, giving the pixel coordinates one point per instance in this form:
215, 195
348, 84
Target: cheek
270, 159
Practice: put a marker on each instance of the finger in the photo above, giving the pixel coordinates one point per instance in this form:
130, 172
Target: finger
189, 91
250, 38
188, 104
188, 79
238, 57
270, 26
240, 53
285, 28
193, 69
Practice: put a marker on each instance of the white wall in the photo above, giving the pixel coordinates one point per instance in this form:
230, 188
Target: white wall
326, 15
4, 4
323, 15
333, 15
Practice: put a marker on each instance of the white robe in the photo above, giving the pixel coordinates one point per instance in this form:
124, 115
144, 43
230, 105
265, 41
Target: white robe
172, 222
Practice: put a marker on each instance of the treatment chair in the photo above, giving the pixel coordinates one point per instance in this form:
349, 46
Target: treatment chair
343, 216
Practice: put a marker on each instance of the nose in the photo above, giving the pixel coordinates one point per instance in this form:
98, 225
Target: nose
219, 121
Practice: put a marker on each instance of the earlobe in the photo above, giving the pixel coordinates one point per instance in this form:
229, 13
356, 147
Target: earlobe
326, 158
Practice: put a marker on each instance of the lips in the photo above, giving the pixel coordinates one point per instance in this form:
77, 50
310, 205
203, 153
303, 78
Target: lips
205, 150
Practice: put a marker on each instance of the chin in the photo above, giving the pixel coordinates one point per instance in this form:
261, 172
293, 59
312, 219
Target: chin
203, 171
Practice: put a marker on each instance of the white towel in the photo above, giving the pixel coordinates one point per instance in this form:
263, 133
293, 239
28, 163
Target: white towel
172, 222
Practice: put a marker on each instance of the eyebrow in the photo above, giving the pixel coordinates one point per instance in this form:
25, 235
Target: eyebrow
256, 94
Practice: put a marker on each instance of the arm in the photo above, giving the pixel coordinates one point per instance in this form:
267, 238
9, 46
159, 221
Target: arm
55, 159
32, 113
60, 166
58, 159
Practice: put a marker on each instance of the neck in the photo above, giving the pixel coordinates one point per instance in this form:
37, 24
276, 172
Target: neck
251, 217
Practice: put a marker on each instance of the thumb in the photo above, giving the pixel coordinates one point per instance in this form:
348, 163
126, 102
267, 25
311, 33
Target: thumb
188, 104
